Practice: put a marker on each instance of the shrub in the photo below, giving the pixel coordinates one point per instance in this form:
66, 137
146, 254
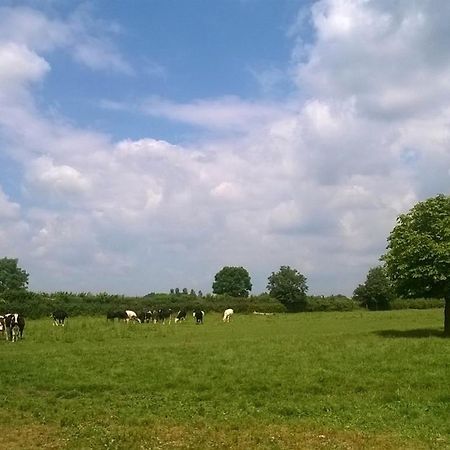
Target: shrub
417, 303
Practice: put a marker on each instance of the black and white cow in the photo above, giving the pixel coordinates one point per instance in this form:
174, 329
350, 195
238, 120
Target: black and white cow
59, 317
164, 314
145, 316
181, 315
198, 316
3, 327
14, 324
126, 315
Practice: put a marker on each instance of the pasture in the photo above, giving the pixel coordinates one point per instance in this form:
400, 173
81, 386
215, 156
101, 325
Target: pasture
355, 380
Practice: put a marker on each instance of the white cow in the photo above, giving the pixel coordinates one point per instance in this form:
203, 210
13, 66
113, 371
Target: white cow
131, 315
227, 314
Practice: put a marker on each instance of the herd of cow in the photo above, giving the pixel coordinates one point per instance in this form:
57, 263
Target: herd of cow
12, 325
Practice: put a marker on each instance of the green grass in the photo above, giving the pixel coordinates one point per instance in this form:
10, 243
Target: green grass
320, 380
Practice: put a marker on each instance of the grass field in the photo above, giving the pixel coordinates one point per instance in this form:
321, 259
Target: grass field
375, 380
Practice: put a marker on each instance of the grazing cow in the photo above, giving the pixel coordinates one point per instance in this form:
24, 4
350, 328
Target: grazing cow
227, 314
198, 316
164, 314
145, 316
181, 315
131, 316
119, 315
2, 325
59, 316
15, 325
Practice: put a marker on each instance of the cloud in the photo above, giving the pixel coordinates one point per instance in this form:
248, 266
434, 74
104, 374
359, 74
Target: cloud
229, 113
314, 181
391, 59
86, 39
19, 65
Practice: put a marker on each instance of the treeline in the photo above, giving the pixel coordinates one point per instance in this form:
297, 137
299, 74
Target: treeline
35, 305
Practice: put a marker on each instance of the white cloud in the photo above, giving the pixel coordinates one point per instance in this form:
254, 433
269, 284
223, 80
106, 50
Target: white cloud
229, 113
313, 183
19, 65
85, 38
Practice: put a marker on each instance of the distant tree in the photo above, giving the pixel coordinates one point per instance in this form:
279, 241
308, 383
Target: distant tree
234, 281
185, 291
289, 287
172, 292
12, 277
177, 291
376, 293
192, 293
418, 253
200, 294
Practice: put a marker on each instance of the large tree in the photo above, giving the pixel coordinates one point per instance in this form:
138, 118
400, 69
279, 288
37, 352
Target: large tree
418, 253
376, 293
12, 277
234, 281
289, 287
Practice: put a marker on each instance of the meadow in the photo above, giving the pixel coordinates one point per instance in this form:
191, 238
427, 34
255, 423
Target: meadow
345, 380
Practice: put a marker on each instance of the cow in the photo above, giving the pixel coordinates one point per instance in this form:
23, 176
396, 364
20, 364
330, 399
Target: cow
198, 316
131, 316
15, 325
181, 315
125, 315
227, 314
164, 314
59, 316
145, 316
2, 325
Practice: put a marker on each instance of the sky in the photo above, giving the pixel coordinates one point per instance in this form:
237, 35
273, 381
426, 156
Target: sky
145, 148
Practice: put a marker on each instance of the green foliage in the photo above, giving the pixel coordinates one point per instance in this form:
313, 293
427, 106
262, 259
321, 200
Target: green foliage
289, 287
376, 293
331, 303
417, 303
418, 253
12, 277
233, 281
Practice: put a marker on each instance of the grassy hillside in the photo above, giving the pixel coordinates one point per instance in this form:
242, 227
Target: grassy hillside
322, 380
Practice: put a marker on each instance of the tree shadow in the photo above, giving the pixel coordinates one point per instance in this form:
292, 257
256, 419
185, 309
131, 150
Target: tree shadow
416, 333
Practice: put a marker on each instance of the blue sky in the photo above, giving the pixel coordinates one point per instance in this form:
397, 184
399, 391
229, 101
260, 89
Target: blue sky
176, 50
143, 148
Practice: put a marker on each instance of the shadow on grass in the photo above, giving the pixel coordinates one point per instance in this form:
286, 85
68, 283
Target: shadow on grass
416, 333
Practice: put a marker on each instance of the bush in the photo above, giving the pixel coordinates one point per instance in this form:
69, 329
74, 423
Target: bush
34, 305
417, 303
331, 303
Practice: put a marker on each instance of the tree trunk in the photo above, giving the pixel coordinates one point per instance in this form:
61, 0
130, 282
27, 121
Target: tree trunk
447, 316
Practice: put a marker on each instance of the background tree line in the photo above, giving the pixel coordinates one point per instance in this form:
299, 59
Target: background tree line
416, 265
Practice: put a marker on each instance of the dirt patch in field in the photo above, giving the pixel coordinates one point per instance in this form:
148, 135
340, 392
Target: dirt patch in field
31, 436
163, 436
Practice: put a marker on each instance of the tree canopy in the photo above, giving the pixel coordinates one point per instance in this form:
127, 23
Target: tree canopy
234, 281
12, 277
376, 293
289, 287
418, 252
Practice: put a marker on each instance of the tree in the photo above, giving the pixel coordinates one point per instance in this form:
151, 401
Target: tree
289, 287
234, 281
12, 277
376, 293
418, 253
